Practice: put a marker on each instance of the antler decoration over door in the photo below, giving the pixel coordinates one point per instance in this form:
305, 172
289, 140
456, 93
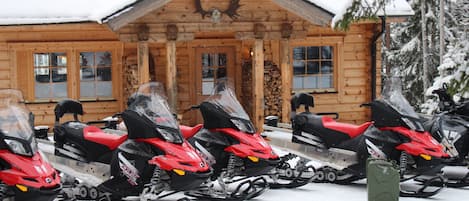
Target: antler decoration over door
231, 11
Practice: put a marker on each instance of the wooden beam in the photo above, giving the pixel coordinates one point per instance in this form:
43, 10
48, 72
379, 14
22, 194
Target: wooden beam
138, 10
171, 71
143, 62
155, 37
258, 84
271, 35
307, 11
286, 76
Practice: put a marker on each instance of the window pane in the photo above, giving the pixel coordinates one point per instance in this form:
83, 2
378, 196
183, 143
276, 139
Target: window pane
87, 74
42, 90
311, 82
205, 59
104, 89
297, 82
59, 74
313, 52
326, 52
87, 89
298, 67
326, 67
313, 67
326, 81
221, 73
42, 75
86, 59
58, 59
299, 53
103, 58
41, 59
207, 88
104, 74
221, 59
207, 73
59, 90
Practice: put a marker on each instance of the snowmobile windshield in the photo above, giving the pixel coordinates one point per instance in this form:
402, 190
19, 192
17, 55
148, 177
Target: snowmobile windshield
16, 131
392, 94
150, 102
224, 98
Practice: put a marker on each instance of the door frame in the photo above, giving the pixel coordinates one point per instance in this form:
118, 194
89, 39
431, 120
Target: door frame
193, 46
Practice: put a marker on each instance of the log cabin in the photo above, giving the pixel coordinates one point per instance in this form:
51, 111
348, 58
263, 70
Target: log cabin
268, 49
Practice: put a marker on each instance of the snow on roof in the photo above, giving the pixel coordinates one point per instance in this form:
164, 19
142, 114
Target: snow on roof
62, 11
338, 7
58, 11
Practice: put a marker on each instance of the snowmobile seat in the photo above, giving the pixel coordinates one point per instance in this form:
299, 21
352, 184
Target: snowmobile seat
349, 129
95, 134
188, 132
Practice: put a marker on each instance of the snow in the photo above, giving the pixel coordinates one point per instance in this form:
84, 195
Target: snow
339, 7
58, 11
62, 11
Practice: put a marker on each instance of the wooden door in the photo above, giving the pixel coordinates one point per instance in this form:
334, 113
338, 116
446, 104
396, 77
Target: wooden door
212, 64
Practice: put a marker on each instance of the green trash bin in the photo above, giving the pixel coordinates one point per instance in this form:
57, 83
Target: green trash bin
382, 180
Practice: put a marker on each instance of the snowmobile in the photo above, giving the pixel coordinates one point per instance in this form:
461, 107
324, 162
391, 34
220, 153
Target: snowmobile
25, 173
230, 144
451, 129
153, 157
394, 133
84, 141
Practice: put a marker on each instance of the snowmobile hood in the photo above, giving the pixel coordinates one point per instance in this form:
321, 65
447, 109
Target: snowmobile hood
249, 145
177, 156
419, 143
28, 171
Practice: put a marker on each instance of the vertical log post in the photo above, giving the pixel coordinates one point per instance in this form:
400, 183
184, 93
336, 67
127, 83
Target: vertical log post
286, 70
142, 54
171, 68
258, 77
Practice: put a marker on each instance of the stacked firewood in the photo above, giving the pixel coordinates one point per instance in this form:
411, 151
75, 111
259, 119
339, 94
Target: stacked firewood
130, 76
272, 89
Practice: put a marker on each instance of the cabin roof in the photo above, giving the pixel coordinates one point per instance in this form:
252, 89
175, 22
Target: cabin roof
60, 11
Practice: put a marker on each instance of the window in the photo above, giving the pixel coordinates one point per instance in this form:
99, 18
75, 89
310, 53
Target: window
95, 74
313, 68
213, 69
50, 73
77, 70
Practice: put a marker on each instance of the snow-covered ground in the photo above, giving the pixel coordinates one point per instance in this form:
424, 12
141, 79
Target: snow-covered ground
334, 192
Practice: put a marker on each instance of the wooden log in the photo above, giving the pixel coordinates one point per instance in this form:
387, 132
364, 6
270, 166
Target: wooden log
171, 71
143, 62
286, 77
258, 85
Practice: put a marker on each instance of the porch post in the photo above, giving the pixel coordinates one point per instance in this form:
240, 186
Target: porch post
142, 54
258, 77
171, 68
286, 76
286, 70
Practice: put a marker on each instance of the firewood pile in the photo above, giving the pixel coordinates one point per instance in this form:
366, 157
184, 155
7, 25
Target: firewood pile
130, 76
272, 89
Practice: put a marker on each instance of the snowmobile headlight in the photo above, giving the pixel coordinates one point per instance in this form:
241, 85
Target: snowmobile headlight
426, 157
409, 123
179, 172
253, 159
21, 188
243, 126
17, 147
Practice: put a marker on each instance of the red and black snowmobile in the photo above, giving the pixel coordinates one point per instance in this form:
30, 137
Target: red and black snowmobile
395, 133
229, 142
153, 157
450, 127
24, 172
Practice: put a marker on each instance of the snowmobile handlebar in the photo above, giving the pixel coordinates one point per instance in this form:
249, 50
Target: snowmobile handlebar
193, 107
365, 105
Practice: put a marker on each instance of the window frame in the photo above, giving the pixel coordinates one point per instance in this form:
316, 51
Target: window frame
336, 42
23, 58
